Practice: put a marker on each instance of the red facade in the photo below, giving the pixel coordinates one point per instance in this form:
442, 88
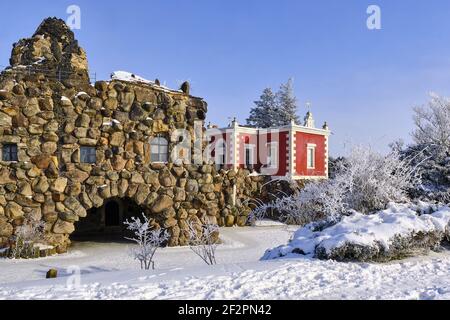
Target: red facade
320, 154
298, 152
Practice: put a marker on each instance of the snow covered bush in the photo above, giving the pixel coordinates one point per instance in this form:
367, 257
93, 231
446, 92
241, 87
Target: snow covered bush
148, 240
435, 185
372, 180
394, 233
365, 181
26, 237
316, 201
433, 125
203, 241
432, 148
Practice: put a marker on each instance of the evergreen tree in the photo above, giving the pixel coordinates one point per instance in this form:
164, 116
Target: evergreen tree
286, 105
263, 113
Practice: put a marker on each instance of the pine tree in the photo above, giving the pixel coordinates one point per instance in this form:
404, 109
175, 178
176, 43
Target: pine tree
262, 114
286, 105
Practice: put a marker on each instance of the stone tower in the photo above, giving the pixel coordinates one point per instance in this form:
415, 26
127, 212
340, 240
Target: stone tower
53, 50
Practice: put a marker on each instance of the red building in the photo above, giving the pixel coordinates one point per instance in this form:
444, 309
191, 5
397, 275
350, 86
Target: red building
294, 151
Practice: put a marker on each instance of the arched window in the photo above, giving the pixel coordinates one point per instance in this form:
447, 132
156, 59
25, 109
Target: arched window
159, 149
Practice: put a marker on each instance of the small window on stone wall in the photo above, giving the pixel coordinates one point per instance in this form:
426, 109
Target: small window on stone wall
88, 155
9, 152
160, 149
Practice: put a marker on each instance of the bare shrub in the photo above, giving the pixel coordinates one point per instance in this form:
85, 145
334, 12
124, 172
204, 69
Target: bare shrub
203, 241
148, 240
26, 237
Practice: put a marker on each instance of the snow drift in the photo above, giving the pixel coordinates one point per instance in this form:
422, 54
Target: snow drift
397, 232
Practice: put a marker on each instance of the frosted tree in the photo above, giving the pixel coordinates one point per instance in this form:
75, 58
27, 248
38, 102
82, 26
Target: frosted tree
203, 241
432, 148
286, 105
432, 125
372, 180
148, 240
26, 236
262, 115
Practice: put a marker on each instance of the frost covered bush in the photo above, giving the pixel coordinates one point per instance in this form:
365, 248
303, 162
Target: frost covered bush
365, 181
148, 240
316, 201
26, 237
432, 124
435, 184
432, 148
372, 180
394, 233
203, 241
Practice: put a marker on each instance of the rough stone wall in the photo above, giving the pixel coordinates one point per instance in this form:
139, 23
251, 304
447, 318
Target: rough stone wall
50, 120
53, 49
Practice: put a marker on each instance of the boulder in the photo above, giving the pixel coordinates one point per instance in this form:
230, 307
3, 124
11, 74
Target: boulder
13, 211
137, 178
117, 139
5, 120
49, 147
41, 185
59, 185
63, 227
77, 175
229, 221
25, 189
83, 121
192, 186
42, 161
6, 177
68, 216
162, 203
142, 194
6, 229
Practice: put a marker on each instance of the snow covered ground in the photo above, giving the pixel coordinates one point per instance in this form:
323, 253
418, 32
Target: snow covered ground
107, 272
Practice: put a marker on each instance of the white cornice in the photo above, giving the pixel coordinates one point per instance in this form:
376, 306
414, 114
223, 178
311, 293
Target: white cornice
296, 128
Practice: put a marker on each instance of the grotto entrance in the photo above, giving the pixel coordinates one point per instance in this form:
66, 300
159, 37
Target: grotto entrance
106, 224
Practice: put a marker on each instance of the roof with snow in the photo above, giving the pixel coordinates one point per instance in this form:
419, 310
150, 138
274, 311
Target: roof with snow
133, 78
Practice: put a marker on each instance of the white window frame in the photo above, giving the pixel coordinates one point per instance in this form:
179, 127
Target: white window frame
272, 155
220, 153
159, 145
251, 148
311, 152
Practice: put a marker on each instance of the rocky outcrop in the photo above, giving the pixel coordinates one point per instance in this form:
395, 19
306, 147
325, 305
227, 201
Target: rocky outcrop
54, 50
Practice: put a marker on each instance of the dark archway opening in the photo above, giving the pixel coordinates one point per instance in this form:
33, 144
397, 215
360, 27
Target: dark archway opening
112, 214
106, 224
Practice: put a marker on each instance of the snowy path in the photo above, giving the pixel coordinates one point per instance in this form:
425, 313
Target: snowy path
108, 273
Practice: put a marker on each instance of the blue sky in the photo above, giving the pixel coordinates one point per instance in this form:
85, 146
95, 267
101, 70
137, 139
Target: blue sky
363, 82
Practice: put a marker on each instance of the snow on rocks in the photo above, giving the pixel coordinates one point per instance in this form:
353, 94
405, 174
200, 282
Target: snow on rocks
82, 95
390, 234
128, 76
131, 77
